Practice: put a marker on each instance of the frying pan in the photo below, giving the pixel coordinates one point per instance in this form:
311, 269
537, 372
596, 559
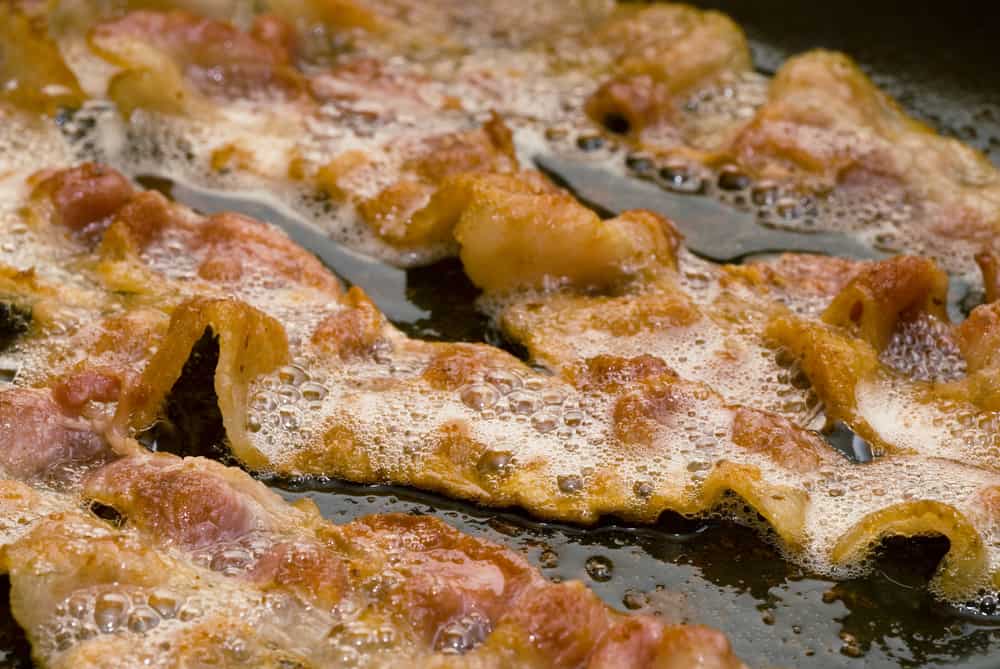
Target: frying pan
941, 62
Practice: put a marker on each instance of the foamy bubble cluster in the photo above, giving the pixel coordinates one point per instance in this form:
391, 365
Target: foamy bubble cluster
113, 609
923, 349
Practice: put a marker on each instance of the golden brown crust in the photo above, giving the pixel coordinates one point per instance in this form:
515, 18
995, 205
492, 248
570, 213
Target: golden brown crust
797, 275
709, 377
33, 74
606, 373
766, 433
506, 236
425, 204
877, 298
353, 331
989, 267
198, 555
777, 144
977, 338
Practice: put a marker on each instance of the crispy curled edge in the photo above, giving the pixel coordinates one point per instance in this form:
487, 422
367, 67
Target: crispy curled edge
454, 469
251, 343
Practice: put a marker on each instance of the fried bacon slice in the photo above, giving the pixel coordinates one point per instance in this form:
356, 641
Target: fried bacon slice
885, 359
385, 109
312, 380
119, 555
202, 564
632, 293
869, 343
660, 55
671, 384
825, 125
403, 185
424, 204
821, 128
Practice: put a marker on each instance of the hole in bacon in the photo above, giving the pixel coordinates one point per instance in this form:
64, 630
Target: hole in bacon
192, 423
15, 651
109, 514
856, 312
617, 123
14, 322
454, 315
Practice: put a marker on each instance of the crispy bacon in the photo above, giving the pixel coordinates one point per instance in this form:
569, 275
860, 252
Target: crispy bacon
630, 104
506, 237
425, 203
689, 385
644, 402
607, 373
352, 331
881, 295
190, 528
779, 438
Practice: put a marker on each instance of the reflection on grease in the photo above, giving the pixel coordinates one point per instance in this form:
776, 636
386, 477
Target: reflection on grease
720, 574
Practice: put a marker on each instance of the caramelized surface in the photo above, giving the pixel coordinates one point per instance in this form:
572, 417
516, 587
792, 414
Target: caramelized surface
309, 379
389, 112
117, 556
669, 384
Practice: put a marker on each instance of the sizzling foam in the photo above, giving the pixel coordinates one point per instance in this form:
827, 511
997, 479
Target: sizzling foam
725, 333
549, 447
504, 434
542, 82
